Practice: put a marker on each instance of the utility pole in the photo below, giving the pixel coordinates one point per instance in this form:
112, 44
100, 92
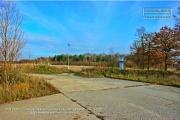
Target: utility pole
68, 55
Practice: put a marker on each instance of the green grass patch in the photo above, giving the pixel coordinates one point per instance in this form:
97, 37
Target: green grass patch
152, 76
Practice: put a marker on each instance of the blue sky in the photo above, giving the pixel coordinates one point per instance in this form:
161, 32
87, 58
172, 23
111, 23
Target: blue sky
88, 26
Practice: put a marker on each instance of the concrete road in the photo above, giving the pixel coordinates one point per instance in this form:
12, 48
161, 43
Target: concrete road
98, 98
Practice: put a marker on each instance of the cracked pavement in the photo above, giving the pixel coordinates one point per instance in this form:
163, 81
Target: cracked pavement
97, 98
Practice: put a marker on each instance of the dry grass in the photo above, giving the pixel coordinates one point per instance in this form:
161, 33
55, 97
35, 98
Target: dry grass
40, 69
73, 68
152, 76
29, 87
19, 86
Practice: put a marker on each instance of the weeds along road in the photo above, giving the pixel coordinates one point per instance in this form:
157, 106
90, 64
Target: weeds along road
97, 98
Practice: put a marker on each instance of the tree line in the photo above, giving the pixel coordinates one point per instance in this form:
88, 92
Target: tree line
156, 49
109, 60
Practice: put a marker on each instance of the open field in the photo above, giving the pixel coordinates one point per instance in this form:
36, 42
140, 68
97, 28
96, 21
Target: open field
73, 68
25, 89
98, 98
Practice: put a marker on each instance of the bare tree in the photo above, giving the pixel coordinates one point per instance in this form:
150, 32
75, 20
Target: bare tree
12, 38
177, 20
140, 32
148, 38
177, 30
113, 58
135, 46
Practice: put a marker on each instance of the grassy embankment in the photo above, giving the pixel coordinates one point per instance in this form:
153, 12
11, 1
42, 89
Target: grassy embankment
42, 69
151, 76
21, 86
